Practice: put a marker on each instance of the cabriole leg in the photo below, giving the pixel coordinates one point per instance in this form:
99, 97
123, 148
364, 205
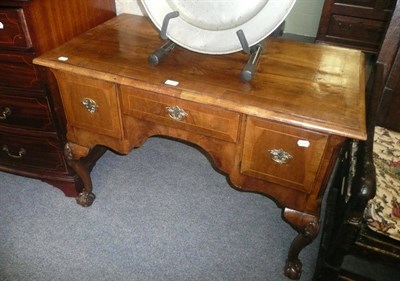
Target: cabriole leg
73, 153
307, 227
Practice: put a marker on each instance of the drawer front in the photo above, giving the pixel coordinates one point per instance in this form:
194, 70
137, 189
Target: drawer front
13, 29
90, 104
177, 113
30, 153
381, 4
362, 3
282, 154
357, 30
25, 112
17, 70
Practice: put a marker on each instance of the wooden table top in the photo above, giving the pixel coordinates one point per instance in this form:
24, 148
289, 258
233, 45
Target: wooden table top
312, 86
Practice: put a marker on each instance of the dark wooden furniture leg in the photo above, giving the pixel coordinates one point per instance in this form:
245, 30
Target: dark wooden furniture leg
307, 226
73, 153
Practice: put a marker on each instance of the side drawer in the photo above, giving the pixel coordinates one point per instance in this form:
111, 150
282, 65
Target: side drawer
31, 152
90, 104
26, 112
14, 32
358, 30
265, 146
173, 112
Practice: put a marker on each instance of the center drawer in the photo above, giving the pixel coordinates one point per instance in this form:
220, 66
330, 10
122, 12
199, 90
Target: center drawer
174, 112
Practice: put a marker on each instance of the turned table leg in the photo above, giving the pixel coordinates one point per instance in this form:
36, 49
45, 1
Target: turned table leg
307, 227
73, 153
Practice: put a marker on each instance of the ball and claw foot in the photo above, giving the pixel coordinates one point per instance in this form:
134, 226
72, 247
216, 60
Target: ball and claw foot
293, 269
85, 199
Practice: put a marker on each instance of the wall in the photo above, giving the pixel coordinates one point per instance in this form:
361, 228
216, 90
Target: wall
302, 20
128, 6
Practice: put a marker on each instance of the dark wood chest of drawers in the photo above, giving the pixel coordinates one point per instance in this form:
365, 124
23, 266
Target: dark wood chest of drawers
359, 24
31, 122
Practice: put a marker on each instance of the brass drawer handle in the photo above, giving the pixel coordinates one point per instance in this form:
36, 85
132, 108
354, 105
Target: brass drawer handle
176, 113
280, 156
5, 113
90, 105
21, 152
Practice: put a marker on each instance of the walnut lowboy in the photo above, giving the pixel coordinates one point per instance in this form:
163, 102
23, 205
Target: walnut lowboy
278, 135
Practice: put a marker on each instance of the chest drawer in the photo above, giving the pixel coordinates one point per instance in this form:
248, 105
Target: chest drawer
13, 29
30, 153
208, 120
25, 112
282, 154
17, 70
359, 30
90, 104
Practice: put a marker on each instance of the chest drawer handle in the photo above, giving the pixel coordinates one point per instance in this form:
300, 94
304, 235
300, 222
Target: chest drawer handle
1, 25
176, 113
5, 113
21, 152
280, 156
344, 27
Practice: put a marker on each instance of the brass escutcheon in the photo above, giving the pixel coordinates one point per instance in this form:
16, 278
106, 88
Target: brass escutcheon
90, 105
176, 113
280, 156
